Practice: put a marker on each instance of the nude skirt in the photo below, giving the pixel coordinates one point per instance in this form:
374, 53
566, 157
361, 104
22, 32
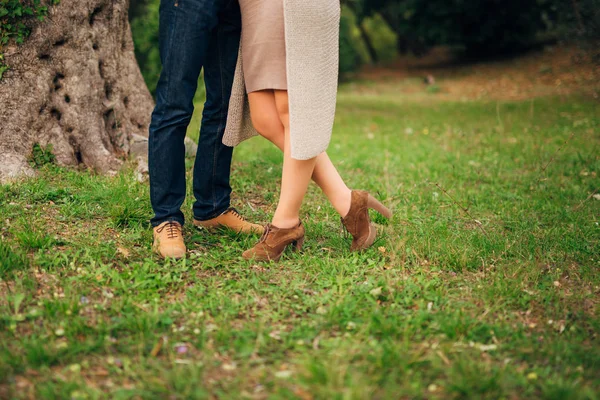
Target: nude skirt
263, 45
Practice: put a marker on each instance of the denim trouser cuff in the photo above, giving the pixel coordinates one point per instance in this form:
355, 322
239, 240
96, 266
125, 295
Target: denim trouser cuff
211, 216
173, 219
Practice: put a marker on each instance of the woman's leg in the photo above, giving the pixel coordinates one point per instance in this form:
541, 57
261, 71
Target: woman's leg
270, 116
265, 119
296, 174
329, 180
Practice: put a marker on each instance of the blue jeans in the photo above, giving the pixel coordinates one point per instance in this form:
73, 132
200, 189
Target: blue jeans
194, 34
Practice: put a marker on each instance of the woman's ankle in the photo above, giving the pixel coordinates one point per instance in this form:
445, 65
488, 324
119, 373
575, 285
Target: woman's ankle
343, 203
285, 223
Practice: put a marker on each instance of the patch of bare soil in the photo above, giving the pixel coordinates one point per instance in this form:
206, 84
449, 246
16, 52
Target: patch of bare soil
553, 71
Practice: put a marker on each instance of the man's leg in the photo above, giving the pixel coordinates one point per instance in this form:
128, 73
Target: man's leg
213, 160
186, 28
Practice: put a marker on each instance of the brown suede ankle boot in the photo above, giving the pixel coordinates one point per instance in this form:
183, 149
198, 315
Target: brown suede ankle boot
274, 241
357, 221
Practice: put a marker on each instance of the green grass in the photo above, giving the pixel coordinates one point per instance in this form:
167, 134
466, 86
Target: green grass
484, 285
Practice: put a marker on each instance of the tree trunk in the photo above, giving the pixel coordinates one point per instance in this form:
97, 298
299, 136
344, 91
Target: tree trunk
74, 84
368, 42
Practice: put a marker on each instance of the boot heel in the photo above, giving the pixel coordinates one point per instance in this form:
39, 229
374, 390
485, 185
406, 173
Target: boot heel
298, 244
376, 205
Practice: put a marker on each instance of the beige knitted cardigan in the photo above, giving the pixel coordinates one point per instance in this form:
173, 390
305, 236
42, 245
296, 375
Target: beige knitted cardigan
312, 45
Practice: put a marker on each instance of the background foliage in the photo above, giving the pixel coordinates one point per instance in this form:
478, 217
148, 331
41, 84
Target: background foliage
479, 27
377, 30
144, 26
580, 21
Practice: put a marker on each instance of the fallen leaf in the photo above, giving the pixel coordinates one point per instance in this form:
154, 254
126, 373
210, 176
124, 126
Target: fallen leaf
443, 357
315, 343
124, 252
99, 371
283, 374
75, 368
487, 347
158, 347
229, 367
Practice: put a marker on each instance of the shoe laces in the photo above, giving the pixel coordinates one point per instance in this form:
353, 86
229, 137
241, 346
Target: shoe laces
344, 229
173, 229
265, 234
236, 214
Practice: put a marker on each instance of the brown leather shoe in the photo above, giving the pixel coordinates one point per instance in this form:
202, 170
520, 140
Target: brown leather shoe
358, 222
168, 240
274, 241
231, 219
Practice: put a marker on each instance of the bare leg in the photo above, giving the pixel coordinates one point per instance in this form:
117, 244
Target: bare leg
331, 183
265, 118
296, 174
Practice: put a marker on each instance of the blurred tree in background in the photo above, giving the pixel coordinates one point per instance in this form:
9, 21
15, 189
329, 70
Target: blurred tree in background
480, 27
350, 58
579, 21
375, 31
143, 15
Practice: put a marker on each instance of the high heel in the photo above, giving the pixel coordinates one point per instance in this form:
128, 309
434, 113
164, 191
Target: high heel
357, 221
298, 244
376, 205
274, 241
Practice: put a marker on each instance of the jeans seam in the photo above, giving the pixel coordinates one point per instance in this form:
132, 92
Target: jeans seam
171, 41
221, 116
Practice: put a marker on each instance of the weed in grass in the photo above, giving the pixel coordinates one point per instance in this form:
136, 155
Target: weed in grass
41, 156
31, 238
11, 260
128, 215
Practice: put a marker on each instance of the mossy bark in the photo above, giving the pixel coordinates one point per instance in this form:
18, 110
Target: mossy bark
74, 84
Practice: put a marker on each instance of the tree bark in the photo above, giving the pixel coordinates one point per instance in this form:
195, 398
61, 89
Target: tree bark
74, 84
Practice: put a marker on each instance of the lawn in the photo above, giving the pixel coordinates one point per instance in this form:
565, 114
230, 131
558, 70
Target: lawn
484, 285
